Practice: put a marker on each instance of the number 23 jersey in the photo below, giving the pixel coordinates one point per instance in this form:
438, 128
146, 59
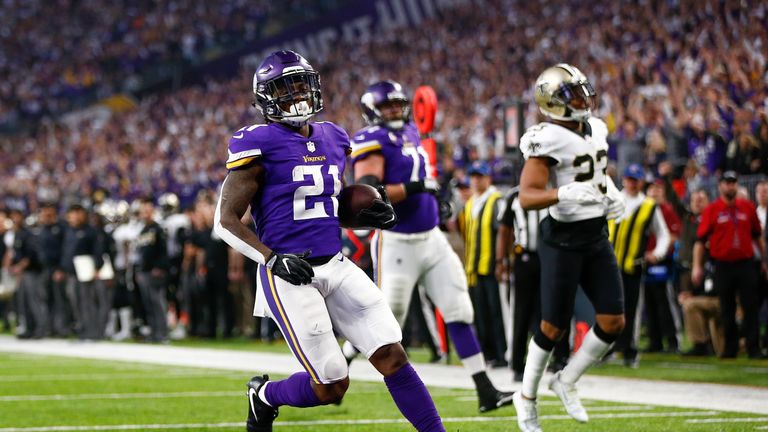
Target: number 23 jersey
576, 158
296, 208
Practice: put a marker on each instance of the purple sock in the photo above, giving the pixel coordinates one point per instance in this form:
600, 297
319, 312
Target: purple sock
295, 391
464, 339
413, 400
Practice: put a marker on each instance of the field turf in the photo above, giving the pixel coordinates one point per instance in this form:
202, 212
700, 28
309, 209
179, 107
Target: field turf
668, 367
39, 393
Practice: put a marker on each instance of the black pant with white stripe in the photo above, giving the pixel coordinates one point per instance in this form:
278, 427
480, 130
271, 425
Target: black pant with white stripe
627, 340
526, 312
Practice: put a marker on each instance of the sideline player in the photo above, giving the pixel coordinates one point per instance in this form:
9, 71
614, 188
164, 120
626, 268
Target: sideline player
289, 172
566, 158
388, 152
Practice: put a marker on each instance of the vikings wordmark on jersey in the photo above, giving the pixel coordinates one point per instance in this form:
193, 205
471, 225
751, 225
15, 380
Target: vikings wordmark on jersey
577, 159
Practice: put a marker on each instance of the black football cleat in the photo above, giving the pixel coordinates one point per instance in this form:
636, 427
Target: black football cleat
489, 397
494, 400
260, 415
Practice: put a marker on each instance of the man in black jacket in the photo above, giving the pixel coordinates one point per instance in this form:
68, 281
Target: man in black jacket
81, 240
152, 247
51, 242
27, 266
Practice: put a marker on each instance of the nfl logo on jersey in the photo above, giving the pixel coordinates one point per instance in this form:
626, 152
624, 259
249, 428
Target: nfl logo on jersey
310, 146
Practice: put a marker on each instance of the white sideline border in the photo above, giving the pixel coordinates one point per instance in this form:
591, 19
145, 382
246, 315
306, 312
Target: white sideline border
717, 397
342, 422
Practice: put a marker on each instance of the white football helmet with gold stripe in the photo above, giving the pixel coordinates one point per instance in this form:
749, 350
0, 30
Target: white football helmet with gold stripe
564, 93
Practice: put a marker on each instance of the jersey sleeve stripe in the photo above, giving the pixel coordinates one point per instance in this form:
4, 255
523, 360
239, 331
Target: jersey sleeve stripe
239, 163
358, 150
243, 154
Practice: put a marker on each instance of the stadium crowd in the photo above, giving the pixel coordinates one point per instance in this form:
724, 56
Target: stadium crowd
684, 84
683, 87
72, 52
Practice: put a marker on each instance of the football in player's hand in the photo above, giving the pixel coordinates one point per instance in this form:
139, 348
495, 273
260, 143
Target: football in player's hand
352, 200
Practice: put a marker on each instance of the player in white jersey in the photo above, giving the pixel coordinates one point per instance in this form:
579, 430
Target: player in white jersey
124, 235
177, 227
566, 158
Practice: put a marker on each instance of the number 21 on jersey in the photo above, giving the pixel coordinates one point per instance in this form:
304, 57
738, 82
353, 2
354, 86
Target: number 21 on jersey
317, 189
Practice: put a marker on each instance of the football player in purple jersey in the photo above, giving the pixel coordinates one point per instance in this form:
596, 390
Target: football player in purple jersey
289, 172
388, 152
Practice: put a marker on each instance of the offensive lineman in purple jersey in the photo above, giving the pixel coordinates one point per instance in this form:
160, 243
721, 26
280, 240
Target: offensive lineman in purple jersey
388, 152
289, 172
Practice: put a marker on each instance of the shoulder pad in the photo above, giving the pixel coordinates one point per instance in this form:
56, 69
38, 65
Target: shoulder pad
246, 144
541, 140
599, 128
337, 132
368, 140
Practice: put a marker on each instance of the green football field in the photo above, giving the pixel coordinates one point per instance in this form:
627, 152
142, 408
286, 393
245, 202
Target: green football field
657, 366
39, 393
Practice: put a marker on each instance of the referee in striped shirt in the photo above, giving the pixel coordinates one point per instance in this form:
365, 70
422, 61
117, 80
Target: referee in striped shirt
518, 235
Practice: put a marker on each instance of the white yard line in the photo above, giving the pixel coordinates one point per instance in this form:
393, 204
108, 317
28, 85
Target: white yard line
189, 394
113, 377
340, 422
730, 420
199, 394
99, 396
633, 391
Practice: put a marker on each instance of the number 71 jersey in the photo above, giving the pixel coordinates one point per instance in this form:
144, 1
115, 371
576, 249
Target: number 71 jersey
296, 208
405, 160
577, 159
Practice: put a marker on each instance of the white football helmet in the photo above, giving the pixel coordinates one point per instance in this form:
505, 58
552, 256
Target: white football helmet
564, 93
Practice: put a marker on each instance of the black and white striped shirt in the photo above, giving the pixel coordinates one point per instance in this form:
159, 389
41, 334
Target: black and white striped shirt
524, 223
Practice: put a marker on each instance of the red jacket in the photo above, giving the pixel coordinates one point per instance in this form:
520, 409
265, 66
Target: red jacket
729, 229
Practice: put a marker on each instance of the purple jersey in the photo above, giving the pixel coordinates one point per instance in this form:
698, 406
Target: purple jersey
404, 161
296, 208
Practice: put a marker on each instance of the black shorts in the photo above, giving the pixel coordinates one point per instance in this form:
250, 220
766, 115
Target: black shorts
591, 266
121, 297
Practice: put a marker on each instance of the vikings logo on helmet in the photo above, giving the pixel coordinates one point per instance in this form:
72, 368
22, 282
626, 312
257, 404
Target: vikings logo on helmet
380, 93
287, 89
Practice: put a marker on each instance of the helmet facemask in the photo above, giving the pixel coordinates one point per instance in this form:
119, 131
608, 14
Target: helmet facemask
291, 98
384, 103
564, 93
394, 113
579, 98
381, 114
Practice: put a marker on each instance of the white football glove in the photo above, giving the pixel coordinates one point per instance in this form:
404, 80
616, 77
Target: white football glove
579, 193
614, 202
615, 206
